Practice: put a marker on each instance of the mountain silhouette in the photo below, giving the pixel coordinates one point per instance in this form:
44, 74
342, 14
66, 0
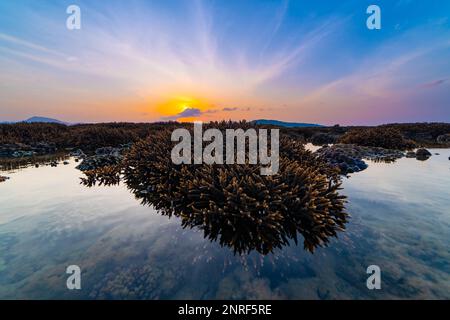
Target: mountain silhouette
285, 124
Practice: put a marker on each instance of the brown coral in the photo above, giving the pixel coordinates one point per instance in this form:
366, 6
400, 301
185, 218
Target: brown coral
234, 204
384, 137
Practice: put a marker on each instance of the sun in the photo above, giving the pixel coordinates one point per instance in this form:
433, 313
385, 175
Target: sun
178, 104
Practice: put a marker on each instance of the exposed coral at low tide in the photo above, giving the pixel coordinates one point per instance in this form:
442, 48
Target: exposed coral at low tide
103, 157
444, 139
20, 150
388, 138
234, 204
7, 164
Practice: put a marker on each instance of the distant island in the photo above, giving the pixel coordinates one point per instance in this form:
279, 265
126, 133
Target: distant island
44, 120
285, 124
37, 120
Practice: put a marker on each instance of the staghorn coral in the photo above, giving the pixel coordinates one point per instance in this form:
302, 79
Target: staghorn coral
108, 175
233, 204
424, 134
384, 137
92, 136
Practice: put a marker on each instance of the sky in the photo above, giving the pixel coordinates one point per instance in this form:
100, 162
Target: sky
302, 61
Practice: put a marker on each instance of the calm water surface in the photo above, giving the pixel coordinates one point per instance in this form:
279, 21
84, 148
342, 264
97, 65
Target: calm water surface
400, 222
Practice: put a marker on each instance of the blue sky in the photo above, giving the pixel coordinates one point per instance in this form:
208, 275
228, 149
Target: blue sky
312, 61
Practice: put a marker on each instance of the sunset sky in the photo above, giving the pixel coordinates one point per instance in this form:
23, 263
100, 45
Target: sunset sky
304, 61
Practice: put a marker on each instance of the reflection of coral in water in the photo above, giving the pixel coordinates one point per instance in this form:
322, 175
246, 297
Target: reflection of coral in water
10, 164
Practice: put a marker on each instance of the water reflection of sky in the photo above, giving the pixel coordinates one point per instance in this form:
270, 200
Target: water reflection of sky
400, 221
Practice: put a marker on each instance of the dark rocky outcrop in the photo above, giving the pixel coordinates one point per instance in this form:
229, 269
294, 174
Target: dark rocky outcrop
349, 157
422, 154
347, 162
79, 154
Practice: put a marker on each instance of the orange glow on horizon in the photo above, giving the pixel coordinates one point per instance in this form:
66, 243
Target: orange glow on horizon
178, 104
188, 119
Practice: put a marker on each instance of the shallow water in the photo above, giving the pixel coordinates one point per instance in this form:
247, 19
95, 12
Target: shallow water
400, 222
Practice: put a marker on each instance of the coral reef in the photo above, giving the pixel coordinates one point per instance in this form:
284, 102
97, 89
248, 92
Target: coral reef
137, 282
234, 204
322, 138
20, 150
7, 164
103, 157
424, 134
45, 138
388, 138
443, 139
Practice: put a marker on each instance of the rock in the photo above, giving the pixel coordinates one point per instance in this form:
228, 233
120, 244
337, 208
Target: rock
110, 151
54, 164
3, 178
410, 154
21, 154
78, 154
423, 153
349, 157
66, 163
345, 159
361, 165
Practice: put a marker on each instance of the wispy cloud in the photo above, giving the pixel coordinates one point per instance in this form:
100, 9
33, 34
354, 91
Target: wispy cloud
285, 59
433, 84
27, 44
195, 112
188, 113
168, 61
230, 109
